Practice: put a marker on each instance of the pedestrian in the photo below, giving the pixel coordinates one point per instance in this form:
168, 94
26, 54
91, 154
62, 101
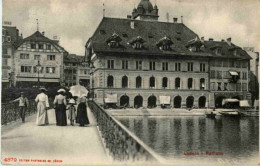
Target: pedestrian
60, 109
82, 117
72, 109
23, 104
42, 107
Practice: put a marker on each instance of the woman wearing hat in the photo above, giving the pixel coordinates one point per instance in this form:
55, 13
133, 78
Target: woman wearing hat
72, 109
42, 106
82, 117
60, 109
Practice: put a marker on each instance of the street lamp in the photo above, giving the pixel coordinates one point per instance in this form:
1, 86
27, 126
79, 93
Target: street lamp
39, 67
92, 67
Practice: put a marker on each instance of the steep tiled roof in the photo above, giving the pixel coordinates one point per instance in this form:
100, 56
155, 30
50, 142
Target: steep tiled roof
151, 31
37, 37
226, 50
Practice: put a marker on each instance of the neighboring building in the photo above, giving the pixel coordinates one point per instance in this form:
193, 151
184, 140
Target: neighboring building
9, 35
145, 63
229, 70
38, 48
76, 71
253, 74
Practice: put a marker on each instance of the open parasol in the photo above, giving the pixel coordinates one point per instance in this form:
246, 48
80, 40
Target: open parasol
78, 91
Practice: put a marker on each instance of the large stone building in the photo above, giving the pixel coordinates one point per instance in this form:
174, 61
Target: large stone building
9, 35
76, 71
145, 63
38, 49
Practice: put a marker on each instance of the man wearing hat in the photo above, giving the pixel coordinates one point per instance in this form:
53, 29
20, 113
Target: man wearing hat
23, 103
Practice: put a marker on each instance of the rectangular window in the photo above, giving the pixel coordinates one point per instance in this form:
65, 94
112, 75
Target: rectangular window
219, 86
48, 47
165, 66
24, 56
212, 85
26, 69
5, 51
8, 38
40, 46
202, 67
152, 65
4, 62
244, 87
50, 70
190, 66
33, 46
225, 86
110, 64
212, 74
37, 57
244, 64
177, 66
51, 57
138, 65
244, 76
124, 64
219, 74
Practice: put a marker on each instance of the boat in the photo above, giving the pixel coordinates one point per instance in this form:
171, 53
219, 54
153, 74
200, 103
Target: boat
230, 113
210, 115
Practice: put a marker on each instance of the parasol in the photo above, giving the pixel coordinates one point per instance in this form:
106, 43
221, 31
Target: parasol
78, 91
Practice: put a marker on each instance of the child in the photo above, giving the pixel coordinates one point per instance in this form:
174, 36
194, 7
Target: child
72, 110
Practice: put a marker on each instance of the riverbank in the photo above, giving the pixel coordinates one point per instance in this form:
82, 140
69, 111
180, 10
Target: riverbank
166, 112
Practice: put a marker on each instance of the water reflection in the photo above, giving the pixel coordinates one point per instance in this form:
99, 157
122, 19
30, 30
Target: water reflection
236, 138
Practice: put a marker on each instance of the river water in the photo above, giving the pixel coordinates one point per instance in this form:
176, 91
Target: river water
197, 139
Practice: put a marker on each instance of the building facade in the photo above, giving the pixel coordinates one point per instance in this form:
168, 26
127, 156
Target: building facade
38, 50
76, 71
10, 35
142, 62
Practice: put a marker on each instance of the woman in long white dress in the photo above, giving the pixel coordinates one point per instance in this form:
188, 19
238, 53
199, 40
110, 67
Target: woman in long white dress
42, 106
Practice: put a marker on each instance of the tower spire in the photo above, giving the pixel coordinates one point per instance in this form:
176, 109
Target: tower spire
104, 10
37, 24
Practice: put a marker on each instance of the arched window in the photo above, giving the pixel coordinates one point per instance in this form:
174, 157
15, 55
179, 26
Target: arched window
110, 81
190, 81
138, 82
124, 82
152, 82
138, 101
165, 82
202, 83
177, 102
177, 83
189, 102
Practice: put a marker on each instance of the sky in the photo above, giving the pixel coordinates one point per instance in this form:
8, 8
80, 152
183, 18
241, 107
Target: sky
74, 21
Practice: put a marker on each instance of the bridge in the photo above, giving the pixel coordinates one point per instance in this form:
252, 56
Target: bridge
105, 140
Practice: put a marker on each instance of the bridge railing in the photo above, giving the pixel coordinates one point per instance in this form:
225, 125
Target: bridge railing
122, 144
11, 111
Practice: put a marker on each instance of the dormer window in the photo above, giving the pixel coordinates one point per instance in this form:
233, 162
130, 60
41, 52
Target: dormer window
164, 43
217, 49
137, 43
194, 45
114, 41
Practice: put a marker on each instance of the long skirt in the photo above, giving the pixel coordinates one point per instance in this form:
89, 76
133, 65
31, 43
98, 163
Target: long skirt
61, 117
82, 117
42, 117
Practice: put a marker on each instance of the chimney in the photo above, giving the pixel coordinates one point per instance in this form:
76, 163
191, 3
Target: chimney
175, 20
129, 16
132, 24
43, 33
211, 39
181, 19
229, 41
222, 40
202, 39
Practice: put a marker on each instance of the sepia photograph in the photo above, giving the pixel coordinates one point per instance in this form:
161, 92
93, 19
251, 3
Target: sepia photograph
130, 82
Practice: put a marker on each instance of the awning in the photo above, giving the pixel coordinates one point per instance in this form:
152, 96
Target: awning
233, 73
165, 99
111, 98
244, 103
230, 100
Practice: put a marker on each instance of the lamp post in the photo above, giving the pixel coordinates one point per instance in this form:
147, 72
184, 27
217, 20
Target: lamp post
38, 66
92, 67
